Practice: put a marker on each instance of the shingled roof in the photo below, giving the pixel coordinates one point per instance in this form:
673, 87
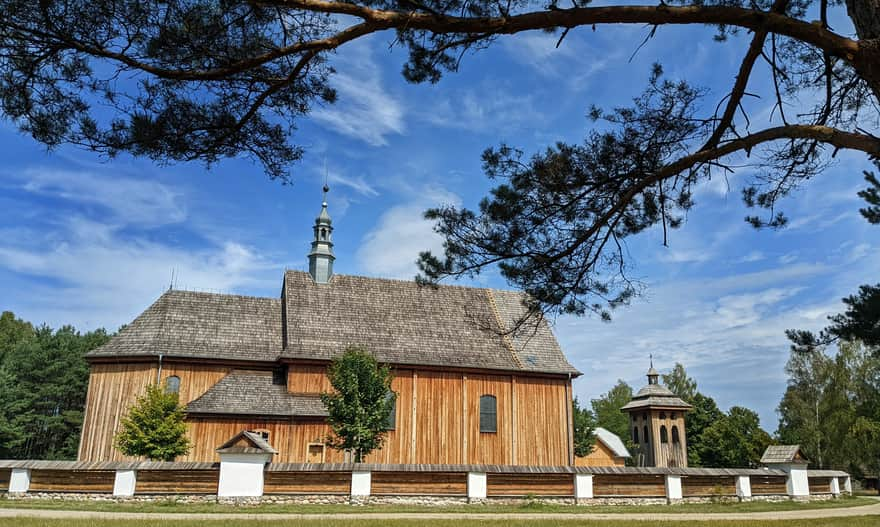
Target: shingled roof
783, 454
202, 325
402, 322
244, 392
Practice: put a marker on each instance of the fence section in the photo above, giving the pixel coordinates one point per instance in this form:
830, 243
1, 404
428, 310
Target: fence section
177, 481
54, 480
419, 482
297, 482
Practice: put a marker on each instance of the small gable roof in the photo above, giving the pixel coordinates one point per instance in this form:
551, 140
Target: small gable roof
246, 442
612, 441
783, 454
244, 392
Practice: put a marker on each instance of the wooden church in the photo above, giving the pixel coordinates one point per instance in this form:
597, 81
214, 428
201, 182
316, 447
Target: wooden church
469, 390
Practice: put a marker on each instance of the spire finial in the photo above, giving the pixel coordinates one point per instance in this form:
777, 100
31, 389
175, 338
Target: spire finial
326, 186
650, 356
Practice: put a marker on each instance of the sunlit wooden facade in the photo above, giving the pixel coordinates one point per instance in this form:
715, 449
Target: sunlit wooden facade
247, 363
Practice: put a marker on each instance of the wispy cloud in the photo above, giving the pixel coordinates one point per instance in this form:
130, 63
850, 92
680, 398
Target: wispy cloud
392, 246
365, 110
95, 272
127, 199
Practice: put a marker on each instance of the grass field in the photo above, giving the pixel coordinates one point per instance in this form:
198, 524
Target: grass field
174, 507
864, 521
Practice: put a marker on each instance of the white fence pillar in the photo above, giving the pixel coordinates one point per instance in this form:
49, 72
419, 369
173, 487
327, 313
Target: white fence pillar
20, 480
743, 487
125, 482
583, 486
241, 475
673, 487
847, 485
476, 485
835, 486
361, 483
797, 484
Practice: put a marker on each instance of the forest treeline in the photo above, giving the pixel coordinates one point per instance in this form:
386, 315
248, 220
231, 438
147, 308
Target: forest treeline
831, 407
43, 381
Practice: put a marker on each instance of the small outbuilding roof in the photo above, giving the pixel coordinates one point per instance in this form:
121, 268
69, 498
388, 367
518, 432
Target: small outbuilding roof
246, 442
783, 454
244, 392
612, 441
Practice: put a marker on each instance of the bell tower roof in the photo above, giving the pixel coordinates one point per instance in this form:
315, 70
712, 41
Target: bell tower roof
321, 256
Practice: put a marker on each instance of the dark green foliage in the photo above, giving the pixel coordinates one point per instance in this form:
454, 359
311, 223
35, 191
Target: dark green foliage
679, 383
704, 415
154, 427
606, 409
358, 408
871, 195
549, 220
584, 424
734, 440
43, 382
831, 406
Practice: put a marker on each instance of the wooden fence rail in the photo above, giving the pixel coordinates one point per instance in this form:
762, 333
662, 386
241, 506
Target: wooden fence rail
464, 482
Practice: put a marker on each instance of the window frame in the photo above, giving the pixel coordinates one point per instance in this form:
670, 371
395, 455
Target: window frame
176, 382
485, 426
391, 420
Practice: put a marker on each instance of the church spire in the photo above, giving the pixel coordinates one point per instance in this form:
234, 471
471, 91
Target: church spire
321, 256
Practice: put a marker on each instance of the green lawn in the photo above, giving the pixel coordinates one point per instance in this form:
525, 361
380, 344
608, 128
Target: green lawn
863, 521
170, 506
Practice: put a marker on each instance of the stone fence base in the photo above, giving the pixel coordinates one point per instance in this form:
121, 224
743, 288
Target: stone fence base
426, 501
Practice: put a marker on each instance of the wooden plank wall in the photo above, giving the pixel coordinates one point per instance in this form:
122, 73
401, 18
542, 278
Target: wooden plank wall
708, 486
529, 484
437, 419
419, 483
5, 473
820, 485
642, 485
601, 456
113, 388
541, 434
767, 485
307, 483
177, 481
72, 480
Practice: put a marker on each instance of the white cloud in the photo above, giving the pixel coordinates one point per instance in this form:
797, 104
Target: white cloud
96, 273
488, 109
357, 183
574, 61
364, 109
754, 256
129, 200
392, 247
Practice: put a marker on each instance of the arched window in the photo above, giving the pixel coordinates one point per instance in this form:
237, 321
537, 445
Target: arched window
645, 439
391, 423
323, 234
675, 434
664, 435
645, 416
673, 415
488, 414
662, 415
635, 435
172, 384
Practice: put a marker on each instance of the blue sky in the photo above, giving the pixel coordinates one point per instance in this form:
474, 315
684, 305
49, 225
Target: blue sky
92, 242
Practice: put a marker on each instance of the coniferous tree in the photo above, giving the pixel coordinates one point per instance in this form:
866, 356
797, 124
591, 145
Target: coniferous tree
361, 402
154, 427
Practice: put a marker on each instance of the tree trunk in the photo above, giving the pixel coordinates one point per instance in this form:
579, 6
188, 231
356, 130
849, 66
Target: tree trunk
865, 15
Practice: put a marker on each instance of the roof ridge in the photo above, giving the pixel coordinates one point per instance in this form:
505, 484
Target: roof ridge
410, 281
505, 335
209, 293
